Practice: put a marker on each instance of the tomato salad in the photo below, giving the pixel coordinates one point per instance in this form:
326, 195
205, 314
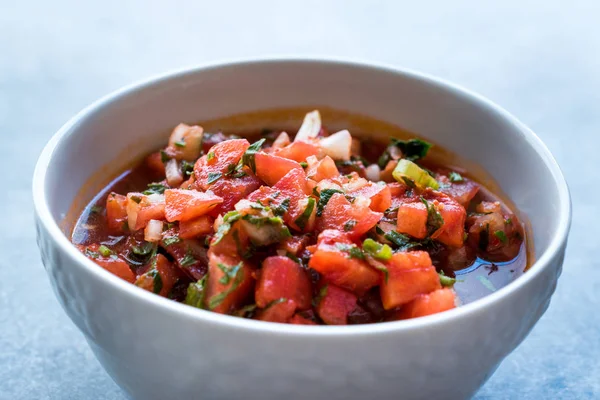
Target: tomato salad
311, 228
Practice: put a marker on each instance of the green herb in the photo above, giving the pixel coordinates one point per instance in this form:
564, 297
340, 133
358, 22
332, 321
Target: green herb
377, 250
164, 157
487, 283
228, 220
455, 177
155, 188
248, 157
352, 250
381, 268
96, 210
445, 280
137, 199
484, 238
210, 156
304, 164
158, 284
105, 251
216, 300
229, 272
187, 168
187, 260
213, 177
144, 249
171, 240
180, 143
245, 253
302, 220
322, 293
349, 225
403, 242
409, 182
508, 221
293, 257
354, 164
413, 149
282, 208
91, 254
195, 293
434, 218
502, 236
246, 311
275, 302
324, 198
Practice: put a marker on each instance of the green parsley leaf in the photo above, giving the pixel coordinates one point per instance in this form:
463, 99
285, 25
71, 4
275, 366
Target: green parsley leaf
304, 164
187, 260
455, 177
158, 284
171, 240
246, 311
217, 299
213, 177
281, 209
180, 144
195, 293
137, 199
302, 220
352, 250
187, 168
248, 157
401, 241
229, 272
155, 188
508, 221
228, 220
349, 225
164, 157
434, 218
144, 249
324, 198
96, 209
502, 236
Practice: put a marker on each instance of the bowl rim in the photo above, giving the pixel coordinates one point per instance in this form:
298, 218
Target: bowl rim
133, 293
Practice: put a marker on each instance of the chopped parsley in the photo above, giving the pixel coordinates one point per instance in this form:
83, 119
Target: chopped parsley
248, 157
229, 272
352, 250
400, 240
324, 198
158, 284
303, 164
164, 157
187, 168
210, 156
195, 293
225, 227
455, 177
247, 311
96, 209
144, 249
409, 182
445, 280
155, 188
171, 240
238, 277
187, 260
412, 150
282, 208
213, 177
137, 199
508, 221
434, 218
180, 144
302, 220
501, 236
349, 225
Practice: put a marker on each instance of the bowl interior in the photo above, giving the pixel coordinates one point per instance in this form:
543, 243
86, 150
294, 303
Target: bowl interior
122, 127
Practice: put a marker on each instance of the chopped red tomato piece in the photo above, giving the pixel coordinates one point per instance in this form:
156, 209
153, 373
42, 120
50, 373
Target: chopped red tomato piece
300, 320
282, 278
116, 212
142, 208
463, 192
229, 283
408, 275
298, 151
221, 158
427, 304
111, 262
380, 195
155, 165
232, 190
334, 259
184, 205
355, 219
454, 215
412, 219
280, 311
192, 228
160, 278
335, 305
322, 169
270, 169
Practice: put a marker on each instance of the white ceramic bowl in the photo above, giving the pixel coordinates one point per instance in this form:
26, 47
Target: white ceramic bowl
155, 348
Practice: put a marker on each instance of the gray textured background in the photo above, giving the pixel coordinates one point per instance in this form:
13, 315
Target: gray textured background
539, 59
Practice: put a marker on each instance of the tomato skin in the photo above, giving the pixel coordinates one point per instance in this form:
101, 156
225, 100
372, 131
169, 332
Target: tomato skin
335, 306
298, 151
323, 169
280, 312
140, 210
192, 228
380, 196
338, 267
223, 154
409, 275
116, 212
215, 285
185, 205
282, 278
232, 190
115, 265
270, 169
339, 211
428, 304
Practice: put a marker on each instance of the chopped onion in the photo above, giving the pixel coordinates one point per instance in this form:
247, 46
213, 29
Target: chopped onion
282, 140
132, 208
173, 173
361, 201
373, 173
310, 126
155, 198
185, 142
153, 231
338, 145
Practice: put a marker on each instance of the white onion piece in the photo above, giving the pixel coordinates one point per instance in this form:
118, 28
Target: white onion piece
185, 142
244, 205
132, 208
173, 173
153, 231
361, 201
373, 173
355, 184
282, 140
338, 145
155, 198
310, 126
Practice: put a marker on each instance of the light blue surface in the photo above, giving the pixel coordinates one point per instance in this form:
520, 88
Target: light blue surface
538, 59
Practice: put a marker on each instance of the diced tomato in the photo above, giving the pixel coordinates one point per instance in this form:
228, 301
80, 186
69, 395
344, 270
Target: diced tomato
163, 283
409, 276
294, 244
116, 212
300, 320
280, 311
189, 184
322, 169
185, 205
298, 151
412, 219
142, 208
454, 215
337, 266
155, 165
202, 225
463, 192
218, 161
270, 169
339, 211
281, 277
380, 195
427, 304
232, 190
112, 263
335, 305
226, 291
386, 174
397, 189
